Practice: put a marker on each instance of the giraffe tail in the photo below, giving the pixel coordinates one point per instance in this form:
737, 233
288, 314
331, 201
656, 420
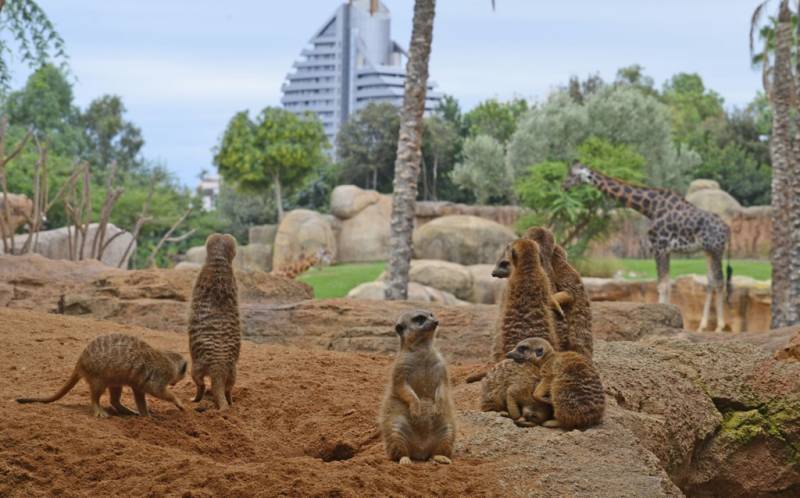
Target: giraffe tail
728, 276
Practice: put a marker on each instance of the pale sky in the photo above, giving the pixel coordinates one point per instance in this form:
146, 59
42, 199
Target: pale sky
183, 68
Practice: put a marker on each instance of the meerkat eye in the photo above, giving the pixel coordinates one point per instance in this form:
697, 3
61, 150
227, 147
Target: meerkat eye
419, 319
399, 328
523, 349
539, 352
504, 264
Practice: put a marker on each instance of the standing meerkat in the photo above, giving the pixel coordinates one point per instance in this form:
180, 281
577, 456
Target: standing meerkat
568, 381
417, 418
215, 336
509, 385
117, 360
575, 329
527, 309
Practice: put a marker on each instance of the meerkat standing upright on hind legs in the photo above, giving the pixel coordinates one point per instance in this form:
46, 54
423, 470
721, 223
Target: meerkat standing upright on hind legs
215, 335
417, 419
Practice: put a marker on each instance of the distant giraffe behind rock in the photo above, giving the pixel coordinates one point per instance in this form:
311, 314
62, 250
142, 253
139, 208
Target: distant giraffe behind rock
303, 263
675, 226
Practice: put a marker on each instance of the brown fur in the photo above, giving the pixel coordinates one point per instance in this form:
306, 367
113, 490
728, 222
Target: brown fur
571, 384
417, 417
509, 385
117, 360
215, 335
527, 307
574, 330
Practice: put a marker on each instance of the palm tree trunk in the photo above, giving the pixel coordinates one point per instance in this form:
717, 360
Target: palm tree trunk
276, 181
782, 158
406, 167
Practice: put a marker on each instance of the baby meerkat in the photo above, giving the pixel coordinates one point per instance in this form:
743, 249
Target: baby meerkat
117, 360
417, 418
508, 387
215, 336
568, 381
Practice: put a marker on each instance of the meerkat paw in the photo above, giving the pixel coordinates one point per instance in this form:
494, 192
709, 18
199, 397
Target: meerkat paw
552, 423
123, 410
404, 461
100, 412
415, 409
522, 422
504, 414
441, 459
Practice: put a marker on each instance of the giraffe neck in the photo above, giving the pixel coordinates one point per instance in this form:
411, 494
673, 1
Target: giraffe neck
642, 199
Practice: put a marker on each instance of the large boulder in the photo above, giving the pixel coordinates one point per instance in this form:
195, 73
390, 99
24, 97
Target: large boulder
365, 235
262, 234
442, 275
374, 291
54, 244
486, 289
349, 200
302, 231
467, 240
704, 195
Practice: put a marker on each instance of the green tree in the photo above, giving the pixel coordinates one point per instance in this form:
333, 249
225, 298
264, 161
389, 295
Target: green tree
697, 113
367, 146
620, 115
275, 150
483, 171
450, 111
37, 39
45, 103
241, 210
441, 147
109, 136
495, 119
583, 214
633, 76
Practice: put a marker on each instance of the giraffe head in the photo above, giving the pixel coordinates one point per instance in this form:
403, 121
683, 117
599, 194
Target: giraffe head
578, 174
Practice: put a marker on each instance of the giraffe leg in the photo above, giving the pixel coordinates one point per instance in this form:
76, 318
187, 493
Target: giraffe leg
715, 269
709, 296
662, 267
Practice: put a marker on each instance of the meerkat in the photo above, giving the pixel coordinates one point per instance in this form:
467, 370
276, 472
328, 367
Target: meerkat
117, 360
527, 309
574, 330
417, 418
569, 382
508, 388
215, 335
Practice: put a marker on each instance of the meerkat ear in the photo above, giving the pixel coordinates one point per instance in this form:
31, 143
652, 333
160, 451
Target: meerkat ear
399, 328
183, 367
514, 257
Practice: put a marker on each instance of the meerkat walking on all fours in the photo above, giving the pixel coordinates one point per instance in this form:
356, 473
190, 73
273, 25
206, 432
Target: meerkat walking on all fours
568, 381
527, 309
417, 418
117, 360
508, 387
215, 335
574, 330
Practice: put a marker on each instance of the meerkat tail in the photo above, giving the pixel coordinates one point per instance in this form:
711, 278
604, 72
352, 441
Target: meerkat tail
476, 377
74, 379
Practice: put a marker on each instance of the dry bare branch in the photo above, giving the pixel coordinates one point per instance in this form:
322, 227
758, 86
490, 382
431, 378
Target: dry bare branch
151, 261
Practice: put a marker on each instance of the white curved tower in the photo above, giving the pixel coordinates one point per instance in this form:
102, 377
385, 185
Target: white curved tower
351, 61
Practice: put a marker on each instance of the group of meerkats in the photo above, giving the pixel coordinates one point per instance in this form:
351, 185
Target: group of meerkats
543, 372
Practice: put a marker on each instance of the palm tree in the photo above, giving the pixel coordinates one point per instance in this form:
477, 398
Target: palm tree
781, 86
407, 164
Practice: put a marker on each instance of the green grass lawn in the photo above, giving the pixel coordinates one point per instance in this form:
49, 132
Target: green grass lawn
336, 281
645, 269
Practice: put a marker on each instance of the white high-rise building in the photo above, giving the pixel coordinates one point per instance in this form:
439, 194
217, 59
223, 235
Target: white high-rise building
351, 61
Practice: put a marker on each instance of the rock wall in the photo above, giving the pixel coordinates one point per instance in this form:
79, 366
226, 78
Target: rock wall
749, 308
20, 208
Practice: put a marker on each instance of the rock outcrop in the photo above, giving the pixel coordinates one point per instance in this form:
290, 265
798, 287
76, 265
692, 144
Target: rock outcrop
262, 234
54, 244
364, 217
252, 257
374, 291
467, 240
302, 231
20, 209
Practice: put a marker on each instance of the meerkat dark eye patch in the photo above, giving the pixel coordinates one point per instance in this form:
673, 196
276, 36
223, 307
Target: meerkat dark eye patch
539, 352
399, 329
419, 319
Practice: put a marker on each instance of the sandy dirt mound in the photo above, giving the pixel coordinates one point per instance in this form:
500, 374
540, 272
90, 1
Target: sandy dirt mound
303, 424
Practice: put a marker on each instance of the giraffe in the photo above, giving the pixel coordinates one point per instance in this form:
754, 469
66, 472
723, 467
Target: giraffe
676, 226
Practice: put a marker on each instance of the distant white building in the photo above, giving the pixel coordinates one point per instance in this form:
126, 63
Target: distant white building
351, 61
209, 191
